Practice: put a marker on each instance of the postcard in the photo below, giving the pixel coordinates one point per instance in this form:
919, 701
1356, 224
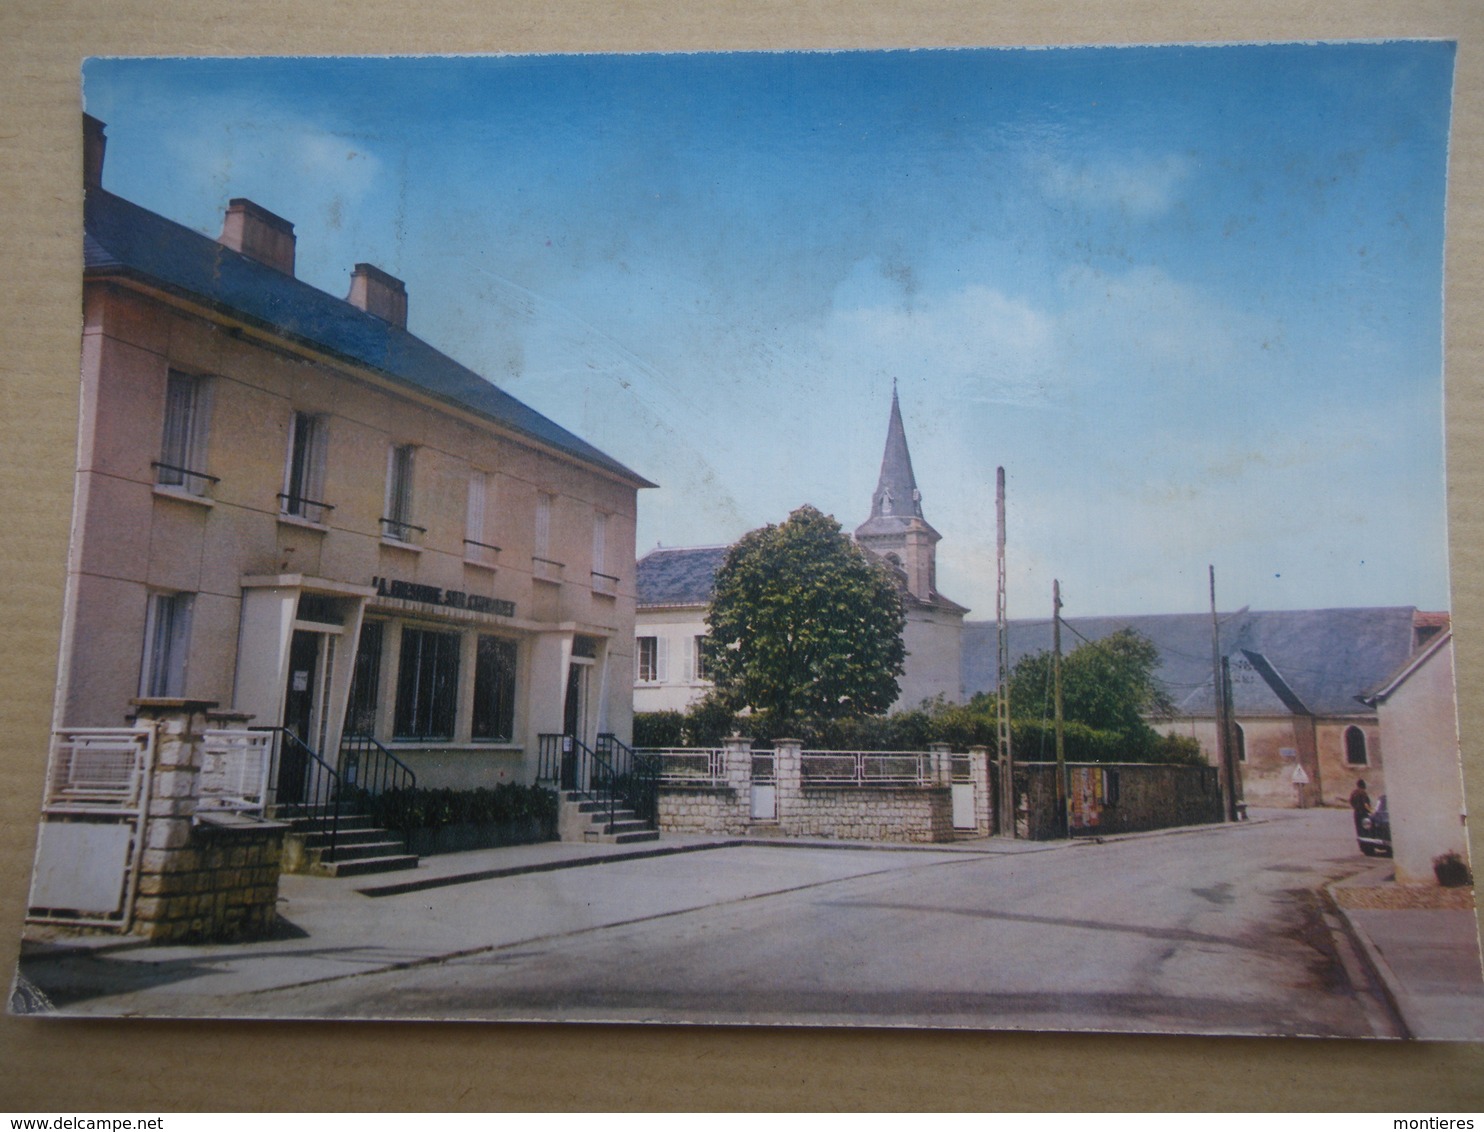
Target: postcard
912, 538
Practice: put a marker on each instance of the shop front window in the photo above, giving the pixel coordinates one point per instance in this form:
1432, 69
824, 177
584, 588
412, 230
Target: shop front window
427, 685
494, 690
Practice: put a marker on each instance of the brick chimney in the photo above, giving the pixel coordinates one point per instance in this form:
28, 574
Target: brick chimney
93, 145
255, 232
376, 292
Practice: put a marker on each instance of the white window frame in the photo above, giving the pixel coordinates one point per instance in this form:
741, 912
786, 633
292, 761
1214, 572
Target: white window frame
658, 661
164, 660
541, 539
478, 550
187, 411
304, 470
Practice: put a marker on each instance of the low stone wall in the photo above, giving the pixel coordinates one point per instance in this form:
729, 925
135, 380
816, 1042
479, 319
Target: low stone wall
716, 810
1116, 798
876, 813
222, 884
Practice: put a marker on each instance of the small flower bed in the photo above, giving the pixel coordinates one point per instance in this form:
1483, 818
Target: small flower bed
444, 820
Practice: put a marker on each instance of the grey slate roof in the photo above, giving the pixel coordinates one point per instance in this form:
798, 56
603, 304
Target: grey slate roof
682, 575
1322, 658
121, 238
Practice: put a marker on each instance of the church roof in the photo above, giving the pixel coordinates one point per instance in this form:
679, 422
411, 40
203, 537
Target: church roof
1282, 661
121, 239
897, 501
683, 575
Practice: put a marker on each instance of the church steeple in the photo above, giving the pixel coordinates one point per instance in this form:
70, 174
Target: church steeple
896, 529
896, 490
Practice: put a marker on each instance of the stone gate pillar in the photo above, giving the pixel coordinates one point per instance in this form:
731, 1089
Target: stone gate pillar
941, 760
737, 766
979, 773
788, 769
206, 875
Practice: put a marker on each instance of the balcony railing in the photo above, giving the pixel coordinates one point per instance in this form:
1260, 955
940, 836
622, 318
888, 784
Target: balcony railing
604, 584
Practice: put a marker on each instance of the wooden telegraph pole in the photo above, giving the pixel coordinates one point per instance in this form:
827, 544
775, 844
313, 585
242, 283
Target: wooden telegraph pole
1002, 693
1061, 754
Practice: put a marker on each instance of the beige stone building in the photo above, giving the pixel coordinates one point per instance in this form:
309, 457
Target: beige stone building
289, 504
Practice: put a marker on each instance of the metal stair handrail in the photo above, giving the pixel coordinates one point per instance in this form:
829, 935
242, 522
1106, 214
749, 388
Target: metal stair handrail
611, 774
636, 777
321, 783
367, 767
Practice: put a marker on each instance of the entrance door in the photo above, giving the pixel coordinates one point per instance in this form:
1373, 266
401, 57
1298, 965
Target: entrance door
298, 716
573, 720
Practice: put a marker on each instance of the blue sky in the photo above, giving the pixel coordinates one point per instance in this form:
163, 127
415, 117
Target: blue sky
1189, 297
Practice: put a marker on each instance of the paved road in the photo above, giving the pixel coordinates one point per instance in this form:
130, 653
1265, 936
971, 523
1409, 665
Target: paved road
1216, 931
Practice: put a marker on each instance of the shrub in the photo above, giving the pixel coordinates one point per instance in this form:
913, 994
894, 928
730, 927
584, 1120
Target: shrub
1452, 870
658, 728
507, 803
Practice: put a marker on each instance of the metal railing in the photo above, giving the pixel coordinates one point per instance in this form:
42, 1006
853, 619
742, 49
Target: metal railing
369, 769
865, 768
187, 479
687, 766
302, 507
234, 770
99, 768
614, 775
304, 785
632, 776
399, 531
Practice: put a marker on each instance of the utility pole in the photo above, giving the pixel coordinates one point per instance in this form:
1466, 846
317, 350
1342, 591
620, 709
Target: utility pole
1219, 690
1002, 693
1061, 754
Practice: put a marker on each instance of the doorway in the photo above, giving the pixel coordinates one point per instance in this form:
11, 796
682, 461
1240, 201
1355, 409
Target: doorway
305, 714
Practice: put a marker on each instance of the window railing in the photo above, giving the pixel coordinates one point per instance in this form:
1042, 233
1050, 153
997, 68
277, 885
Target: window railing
481, 553
187, 479
547, 569
301, 507
400, 531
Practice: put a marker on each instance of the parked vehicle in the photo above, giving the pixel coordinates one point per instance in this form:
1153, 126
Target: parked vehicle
1374, 834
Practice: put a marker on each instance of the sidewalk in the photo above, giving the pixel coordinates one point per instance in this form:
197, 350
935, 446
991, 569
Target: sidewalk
1423, 942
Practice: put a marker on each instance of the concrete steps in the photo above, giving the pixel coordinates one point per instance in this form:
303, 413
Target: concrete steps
586, 818
360, 847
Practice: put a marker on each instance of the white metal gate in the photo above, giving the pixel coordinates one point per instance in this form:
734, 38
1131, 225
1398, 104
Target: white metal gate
961, 791
764, 787
92, 826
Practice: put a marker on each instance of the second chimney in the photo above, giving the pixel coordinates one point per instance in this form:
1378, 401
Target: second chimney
378, 293
255, 232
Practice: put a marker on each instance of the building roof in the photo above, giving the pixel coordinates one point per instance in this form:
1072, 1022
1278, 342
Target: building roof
684, 575
1412, 664
123, 239
1282, 661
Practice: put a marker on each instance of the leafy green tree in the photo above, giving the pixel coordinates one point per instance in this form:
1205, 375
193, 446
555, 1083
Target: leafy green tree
804, 623
1108, 685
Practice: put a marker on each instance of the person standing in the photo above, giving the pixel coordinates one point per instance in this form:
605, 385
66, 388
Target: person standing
1360, 803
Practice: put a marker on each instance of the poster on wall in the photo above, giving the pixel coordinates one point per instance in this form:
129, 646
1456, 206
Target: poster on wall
689, 538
